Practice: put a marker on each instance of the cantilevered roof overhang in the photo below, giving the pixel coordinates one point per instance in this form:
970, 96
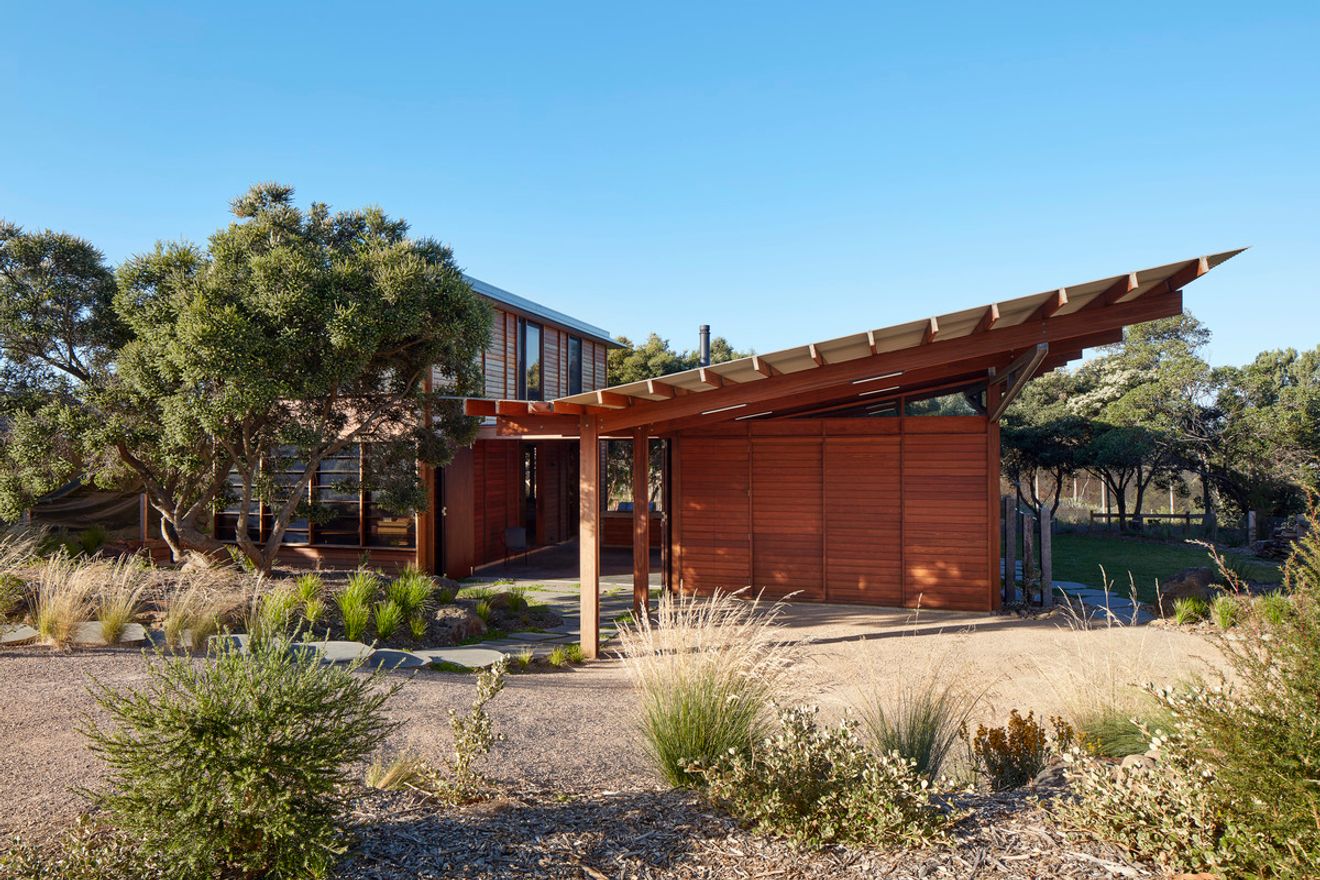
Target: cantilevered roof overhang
1010, 340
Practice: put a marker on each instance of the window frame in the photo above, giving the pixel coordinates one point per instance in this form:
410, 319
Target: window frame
575, 374
523, 363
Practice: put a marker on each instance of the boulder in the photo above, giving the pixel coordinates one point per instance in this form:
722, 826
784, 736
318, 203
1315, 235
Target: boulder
1052, 775
1190, 582
1137, 762
455, 623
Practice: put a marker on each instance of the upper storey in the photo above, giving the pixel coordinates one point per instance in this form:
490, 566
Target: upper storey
537, 353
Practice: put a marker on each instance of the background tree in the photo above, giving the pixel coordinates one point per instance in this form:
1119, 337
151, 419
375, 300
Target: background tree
293, 336
650, 360
1144, 398
1042, 441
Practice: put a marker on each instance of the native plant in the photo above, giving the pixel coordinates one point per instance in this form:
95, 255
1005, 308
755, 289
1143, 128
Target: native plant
820, 785
401, 772
389, 615
237, 766
1272, 608
1225, 611
63, 597
1190, 609
196, 610
118, 598
412, 591
1010, 756
1234, 789
354, 602
707, 672
474, 735
274, 612
922, 722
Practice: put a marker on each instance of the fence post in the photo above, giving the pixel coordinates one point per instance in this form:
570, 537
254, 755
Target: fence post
1251, 526
1046, 559
1010, 549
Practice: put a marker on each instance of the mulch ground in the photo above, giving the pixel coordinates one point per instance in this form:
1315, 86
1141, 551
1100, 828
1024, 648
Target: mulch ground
641, 834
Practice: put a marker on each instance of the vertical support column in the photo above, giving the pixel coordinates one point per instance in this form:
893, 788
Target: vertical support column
1010, 549
1046, 558
641, 498
424, 523
1028, 554
589, 534
993, 505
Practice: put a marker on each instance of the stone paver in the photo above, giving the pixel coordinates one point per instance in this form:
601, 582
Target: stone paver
471, 656
20, 634
532, 636
88, 632
341, 651
385, 658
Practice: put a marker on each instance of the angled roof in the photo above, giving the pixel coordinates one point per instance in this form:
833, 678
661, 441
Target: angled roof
1058, 303
537, 310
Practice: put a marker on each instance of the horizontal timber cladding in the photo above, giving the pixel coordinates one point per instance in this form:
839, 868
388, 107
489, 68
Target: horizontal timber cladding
877, 512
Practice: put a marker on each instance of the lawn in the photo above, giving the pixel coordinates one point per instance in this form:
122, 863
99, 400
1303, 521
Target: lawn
1078, 557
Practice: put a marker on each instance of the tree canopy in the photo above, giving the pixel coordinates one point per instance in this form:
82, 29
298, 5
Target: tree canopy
655, 358
227, 373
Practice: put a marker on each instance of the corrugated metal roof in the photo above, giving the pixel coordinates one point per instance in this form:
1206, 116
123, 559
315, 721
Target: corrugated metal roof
523, 304
1119, 288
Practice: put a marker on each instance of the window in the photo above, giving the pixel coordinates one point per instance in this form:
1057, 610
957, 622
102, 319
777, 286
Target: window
529, 361
286, 478
337, 496
968, 401
574, 365
385, 525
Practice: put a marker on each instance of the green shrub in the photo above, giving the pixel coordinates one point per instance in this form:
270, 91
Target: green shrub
517, 600
922, 724
412, 589
1011, 756
574, 654
92, 539
474, 735
418, 625
1161, 813
523, 659
558, 656
818, 786
475, 593
274, 613
1116, 735
314, 612
389, 615
87, 851
355, 601
402, 772
1190, 609
1225, 610
707, 672
309, 586
1273, 608
1234, 791
483, 610
237, 766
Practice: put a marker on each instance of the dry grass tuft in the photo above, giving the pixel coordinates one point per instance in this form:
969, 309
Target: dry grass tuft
62, 598
198, 605
709, 671
118, 597
401, 772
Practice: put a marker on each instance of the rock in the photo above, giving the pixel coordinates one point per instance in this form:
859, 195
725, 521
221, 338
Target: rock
88, 632
1190, 582
455, 623
339, 651
1052, 775
1133, 763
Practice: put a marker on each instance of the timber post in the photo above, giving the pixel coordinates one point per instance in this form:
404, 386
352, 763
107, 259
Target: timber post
641, 498
1010, 549
589, 534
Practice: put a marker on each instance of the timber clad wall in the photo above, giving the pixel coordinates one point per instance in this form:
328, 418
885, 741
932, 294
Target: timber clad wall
874, 511
500, 360
496, 476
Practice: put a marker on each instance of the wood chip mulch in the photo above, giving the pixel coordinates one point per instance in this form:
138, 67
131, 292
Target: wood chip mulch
637, 835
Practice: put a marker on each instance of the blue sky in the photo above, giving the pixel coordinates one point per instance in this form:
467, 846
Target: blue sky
784, 172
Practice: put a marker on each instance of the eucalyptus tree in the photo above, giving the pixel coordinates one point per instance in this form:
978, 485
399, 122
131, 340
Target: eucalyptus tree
293, 335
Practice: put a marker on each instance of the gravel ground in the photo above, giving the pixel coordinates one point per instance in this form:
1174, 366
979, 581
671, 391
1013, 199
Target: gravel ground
562, 729
580, 800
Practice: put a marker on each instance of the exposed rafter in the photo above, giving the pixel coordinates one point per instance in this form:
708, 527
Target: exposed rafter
816, 356
1056, 300
931, 332
768, 370
656, 388
988, 320
710, 378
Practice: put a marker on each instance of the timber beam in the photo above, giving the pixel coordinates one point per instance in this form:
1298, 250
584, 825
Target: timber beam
1060, 329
